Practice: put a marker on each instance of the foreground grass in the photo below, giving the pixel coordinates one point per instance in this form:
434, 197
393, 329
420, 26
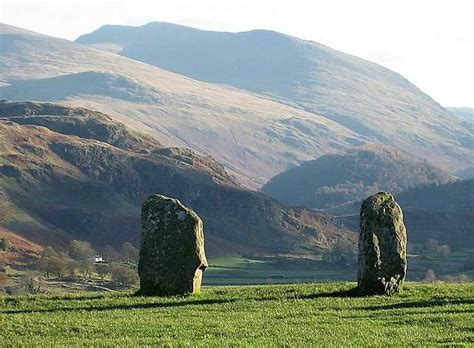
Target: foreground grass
298, 314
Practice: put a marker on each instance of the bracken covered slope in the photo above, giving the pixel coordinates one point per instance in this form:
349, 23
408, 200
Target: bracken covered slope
74, 173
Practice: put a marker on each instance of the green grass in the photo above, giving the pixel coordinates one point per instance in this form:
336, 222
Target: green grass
276, 315
243, 271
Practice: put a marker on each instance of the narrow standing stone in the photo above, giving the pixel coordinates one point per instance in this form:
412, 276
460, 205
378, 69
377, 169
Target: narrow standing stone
382, 246
172, 256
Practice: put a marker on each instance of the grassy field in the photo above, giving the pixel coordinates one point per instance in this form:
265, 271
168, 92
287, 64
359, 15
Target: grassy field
237, 270
241, 271
270, 315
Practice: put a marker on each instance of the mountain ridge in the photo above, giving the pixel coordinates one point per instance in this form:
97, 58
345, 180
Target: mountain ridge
362, 96
225, 122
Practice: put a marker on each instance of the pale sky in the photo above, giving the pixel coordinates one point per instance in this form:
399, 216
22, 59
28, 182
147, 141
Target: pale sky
430, 42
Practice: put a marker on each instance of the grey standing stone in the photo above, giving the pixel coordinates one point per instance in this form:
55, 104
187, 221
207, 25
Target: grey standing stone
382, 246
172, 256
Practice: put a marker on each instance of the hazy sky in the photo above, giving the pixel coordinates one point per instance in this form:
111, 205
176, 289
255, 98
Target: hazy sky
430, 42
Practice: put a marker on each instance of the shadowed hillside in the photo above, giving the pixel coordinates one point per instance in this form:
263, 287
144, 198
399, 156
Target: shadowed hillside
364, 97
334, 180
444, 212
75, 173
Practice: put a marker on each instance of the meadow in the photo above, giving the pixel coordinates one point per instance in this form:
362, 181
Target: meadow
325, 314
232, 270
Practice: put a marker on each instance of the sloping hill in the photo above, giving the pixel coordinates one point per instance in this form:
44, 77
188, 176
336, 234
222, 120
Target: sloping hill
457, 196
362, 96
465, 113
74, 173
444, 212
466, 117
255, 138
334, 180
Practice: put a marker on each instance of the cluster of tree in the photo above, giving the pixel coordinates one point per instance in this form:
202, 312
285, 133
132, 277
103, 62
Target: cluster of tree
29, 282
342, 253
121, 274
436, 250
3, 275
430, 277
79, 259
127, 253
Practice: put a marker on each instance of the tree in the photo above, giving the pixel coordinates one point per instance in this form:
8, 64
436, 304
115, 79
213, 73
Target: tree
45, 263
4, 280
85, 266
110, 254
49, 251
80, 250
129, 252
438, 251
443, 252
430, 276
432, 245
59, 265
342, 253
31, 282
4, 244
123, 275
51, 262
102, 270
71, 267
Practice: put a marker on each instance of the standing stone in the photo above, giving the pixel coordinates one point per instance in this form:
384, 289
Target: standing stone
382, 246
172, 256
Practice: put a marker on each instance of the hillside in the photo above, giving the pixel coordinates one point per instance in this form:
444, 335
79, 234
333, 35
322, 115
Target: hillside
333, 180
75, 173
444, 212
465, 113
364, 97
455, 196
255, 138
466, 117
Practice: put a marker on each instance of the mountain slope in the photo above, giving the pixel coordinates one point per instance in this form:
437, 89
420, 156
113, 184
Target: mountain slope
455, 196
255, 138
465, 113
333, 180
365, 97
66, 174
444, 212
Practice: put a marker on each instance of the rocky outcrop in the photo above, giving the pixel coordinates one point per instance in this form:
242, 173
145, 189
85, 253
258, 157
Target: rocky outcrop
382, 246
57, 164
172, 256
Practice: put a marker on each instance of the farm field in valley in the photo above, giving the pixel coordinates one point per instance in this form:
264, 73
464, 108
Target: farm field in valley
241, 271
298, 314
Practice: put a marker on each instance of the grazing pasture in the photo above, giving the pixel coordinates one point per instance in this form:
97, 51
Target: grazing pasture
297, 315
